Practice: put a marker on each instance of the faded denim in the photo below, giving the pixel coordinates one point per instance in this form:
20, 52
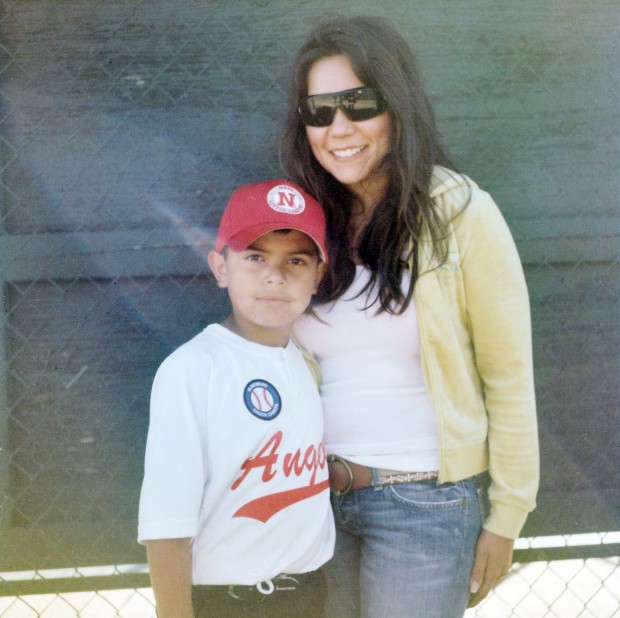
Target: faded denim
404, 551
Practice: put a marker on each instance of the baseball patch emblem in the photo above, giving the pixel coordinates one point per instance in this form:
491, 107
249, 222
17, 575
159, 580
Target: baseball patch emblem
284, 198
262, 399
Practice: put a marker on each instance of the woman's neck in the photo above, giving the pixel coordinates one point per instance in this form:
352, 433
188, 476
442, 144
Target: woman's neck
366, 196
370, 192
361, 214
360, 217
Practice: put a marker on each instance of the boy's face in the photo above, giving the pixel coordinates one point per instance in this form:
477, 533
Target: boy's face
270, 284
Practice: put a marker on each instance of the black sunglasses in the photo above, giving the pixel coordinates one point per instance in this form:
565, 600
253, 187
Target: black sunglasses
357, 104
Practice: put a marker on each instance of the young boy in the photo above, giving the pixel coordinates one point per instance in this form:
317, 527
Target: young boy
235, 497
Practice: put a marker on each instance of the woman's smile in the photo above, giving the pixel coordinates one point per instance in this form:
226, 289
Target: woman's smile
348, 153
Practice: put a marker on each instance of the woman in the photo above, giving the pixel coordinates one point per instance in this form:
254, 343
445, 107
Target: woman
421, 331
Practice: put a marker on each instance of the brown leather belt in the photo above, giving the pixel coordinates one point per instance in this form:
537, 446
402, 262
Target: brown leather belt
345, 476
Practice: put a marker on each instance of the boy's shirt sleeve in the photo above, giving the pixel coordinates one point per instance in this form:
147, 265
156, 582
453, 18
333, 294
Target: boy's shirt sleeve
175, 471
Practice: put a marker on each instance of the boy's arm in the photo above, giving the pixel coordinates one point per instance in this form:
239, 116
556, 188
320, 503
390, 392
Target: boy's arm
170, 565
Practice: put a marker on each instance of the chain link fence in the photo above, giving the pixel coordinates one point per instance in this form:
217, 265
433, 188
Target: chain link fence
124, 126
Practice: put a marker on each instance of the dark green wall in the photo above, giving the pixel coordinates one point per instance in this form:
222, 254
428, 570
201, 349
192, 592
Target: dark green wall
123, 128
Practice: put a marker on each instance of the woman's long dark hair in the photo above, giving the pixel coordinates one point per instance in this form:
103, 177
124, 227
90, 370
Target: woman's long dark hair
380, 58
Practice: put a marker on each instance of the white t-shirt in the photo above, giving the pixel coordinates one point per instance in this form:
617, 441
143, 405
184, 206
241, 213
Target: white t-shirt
376, 407
235, 460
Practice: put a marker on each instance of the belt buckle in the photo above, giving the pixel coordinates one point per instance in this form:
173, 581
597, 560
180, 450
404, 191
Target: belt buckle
345, 463
265, 588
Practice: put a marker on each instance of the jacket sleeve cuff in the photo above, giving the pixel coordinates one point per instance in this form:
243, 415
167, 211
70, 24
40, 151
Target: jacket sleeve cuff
506, 521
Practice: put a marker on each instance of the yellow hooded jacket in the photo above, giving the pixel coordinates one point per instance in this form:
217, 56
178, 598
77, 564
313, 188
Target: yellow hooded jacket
474, 321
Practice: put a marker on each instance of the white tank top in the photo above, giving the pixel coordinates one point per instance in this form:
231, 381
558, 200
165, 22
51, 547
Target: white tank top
376, 407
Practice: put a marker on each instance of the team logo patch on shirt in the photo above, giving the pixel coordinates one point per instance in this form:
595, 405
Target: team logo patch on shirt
262, 400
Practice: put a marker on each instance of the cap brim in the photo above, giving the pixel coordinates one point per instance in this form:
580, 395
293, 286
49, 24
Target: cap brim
242, 240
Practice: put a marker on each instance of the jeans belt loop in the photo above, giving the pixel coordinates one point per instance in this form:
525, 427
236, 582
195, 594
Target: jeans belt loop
376, 480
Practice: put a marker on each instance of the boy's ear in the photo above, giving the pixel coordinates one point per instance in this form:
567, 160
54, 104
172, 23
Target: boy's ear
217, 264
320, 271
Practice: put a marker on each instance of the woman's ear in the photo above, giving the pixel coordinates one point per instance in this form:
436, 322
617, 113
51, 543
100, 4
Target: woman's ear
217, 264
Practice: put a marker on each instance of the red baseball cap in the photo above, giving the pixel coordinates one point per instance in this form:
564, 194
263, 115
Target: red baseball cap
256, 209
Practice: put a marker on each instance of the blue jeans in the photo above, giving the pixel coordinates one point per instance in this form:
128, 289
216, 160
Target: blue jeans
404, 551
